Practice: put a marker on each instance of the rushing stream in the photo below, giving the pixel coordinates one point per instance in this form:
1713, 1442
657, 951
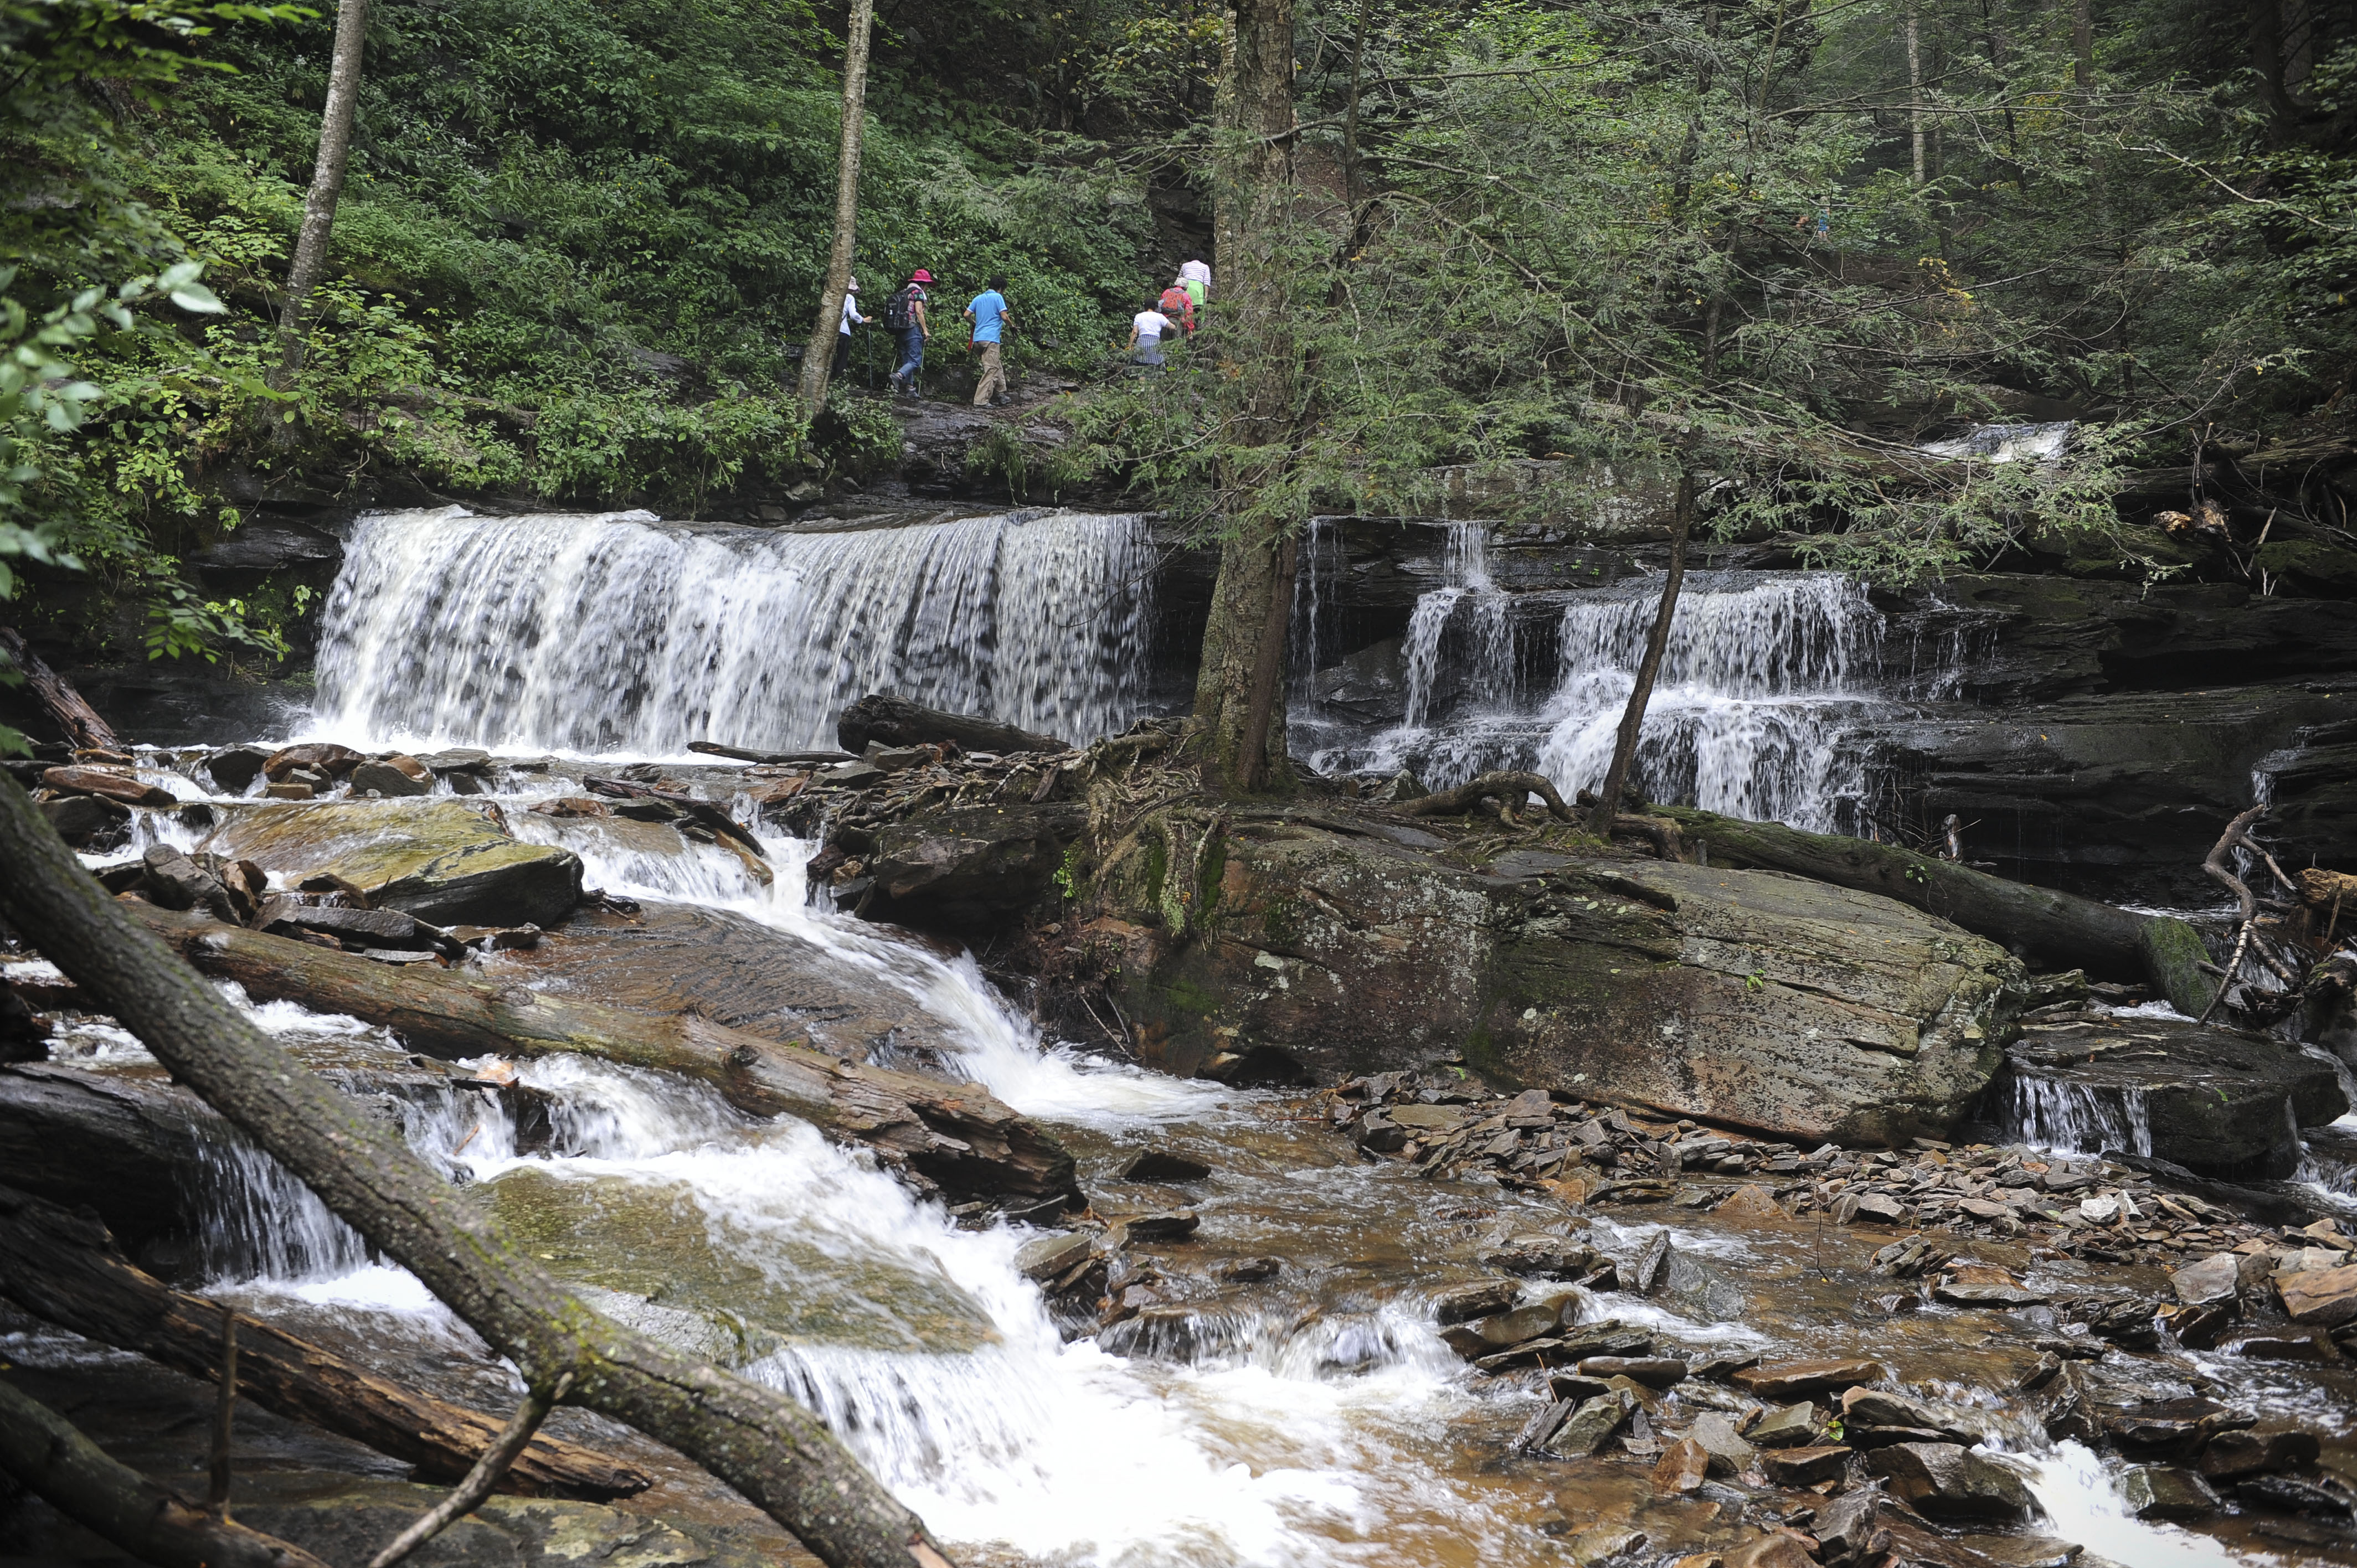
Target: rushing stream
1318, 1419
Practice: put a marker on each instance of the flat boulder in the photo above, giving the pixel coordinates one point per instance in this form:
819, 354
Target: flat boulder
1808, 1012
1951, 1484
445, 863
2325, 1298
2220, 1102
1804, 1380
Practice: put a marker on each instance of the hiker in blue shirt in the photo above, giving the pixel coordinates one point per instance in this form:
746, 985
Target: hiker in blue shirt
988, 313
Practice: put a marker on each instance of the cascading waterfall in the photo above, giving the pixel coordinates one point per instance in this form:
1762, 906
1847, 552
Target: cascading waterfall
618, 632
1758, 691
2073, 1118
1754, 713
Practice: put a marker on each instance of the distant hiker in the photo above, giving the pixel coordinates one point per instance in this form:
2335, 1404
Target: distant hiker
904, 317
1146, 330
987, 311
1179, 306
851, 318
1196, 279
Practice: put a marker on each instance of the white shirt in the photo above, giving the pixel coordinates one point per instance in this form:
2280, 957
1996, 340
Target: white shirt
1151, 325
850, 314
1195, 272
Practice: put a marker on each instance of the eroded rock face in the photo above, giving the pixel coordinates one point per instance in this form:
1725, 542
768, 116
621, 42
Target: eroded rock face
1740, 997
445, 863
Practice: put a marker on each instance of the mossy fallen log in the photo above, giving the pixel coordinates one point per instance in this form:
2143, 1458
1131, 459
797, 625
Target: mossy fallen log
2062, 928
958, 1135
64, 1267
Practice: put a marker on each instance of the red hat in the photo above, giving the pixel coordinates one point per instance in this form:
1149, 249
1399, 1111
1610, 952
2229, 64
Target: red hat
920, 275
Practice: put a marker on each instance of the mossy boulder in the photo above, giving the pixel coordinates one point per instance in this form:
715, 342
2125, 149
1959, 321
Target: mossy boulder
444, 861
1747, 998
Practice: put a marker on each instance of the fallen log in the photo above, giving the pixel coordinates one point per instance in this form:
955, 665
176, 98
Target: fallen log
778, 1454
741, 754
2322, 889
84, 730
50, 1455
2062, 928
64, 1267
889, 720
958, 1135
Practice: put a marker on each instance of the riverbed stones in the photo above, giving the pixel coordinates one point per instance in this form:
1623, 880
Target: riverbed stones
117, 784
2166, 1492
1652, 1371
2235, 1456
1163, 1166
1589, 1427
235, 768
2213, 1280
1949, 1483
1867, 1412
2323, 1298
442, 860
87, 820
1804, 1466
1717, 1436
1045, 1257
1171, 1225
1541, 1257
386, 778
1802, 1379
1682, 1467
1789, 1426
1461, 1304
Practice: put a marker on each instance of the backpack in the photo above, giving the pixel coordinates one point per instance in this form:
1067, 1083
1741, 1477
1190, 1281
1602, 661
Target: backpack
1179, 306
900, 310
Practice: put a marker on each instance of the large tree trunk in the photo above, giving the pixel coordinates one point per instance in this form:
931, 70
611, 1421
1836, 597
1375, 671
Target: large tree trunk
84, 730
818, 360
319, 202
2060, 928
45, 1452
773, 1450
1657, 641
956, 1134
1240, 692
64, 1267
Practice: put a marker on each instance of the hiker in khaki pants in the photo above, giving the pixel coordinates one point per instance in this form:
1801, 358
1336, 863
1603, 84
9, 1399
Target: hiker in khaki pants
988, 313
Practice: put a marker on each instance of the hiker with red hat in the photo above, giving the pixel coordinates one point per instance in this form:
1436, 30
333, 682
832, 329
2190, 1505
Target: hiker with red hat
905, 314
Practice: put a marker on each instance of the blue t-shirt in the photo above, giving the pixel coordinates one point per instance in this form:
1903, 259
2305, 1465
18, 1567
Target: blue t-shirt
989, 308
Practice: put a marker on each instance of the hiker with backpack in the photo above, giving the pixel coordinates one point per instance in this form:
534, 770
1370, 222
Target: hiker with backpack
1178, 304
904, 317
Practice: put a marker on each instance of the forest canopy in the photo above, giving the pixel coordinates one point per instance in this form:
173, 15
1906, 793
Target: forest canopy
582, 239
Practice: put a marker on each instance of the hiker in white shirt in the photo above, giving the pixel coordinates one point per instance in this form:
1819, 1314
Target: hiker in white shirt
1146, 330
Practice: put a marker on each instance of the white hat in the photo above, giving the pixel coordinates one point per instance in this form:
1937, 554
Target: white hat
853, 285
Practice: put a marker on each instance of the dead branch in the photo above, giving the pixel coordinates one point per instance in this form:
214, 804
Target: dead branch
1507, 787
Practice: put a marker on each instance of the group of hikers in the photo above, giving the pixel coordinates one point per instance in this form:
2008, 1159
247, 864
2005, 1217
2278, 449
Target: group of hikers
905, 317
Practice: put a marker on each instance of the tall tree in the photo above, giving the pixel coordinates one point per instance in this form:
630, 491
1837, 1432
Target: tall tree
818, 359
1649, 668
1240, 693
327, 190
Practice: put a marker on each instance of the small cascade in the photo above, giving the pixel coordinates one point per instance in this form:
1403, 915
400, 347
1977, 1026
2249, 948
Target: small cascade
2075, 1118
617, 632
1469, 606
2041, 442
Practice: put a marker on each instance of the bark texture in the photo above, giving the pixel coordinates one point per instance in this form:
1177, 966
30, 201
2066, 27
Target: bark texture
84, 730
327, 189
42, 1450
1239, 695
818, 358
959, 1135
64, 1267
774, 1452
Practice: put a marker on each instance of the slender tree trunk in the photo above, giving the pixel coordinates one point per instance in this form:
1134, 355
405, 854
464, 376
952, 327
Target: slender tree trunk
320, 202
2082, 51
1632, 717
1240, 693
818, 360
1915, 95
773, 1450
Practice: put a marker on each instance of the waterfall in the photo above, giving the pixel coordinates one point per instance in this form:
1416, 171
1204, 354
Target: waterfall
1755, 712
1751, 713
617, 632
2075, 1118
